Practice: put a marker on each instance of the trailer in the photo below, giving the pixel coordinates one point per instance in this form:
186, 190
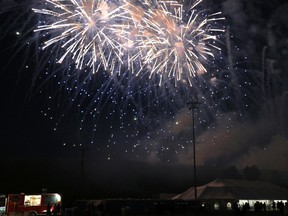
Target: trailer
33, 204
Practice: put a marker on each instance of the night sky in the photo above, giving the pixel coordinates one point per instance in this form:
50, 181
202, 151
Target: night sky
62, 127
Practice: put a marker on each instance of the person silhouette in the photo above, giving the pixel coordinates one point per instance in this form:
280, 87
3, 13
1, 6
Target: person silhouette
48, 209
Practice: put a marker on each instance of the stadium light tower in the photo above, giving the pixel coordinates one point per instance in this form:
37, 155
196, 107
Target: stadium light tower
193, 105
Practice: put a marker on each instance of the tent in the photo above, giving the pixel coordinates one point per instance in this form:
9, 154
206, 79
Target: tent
231, 189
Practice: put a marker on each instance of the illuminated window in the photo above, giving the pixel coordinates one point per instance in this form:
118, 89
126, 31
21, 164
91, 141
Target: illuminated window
32, 200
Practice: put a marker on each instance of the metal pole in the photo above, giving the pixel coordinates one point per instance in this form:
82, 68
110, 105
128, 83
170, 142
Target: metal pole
193, 106
194, 154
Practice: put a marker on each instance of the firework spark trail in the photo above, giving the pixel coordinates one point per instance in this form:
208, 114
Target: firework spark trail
148, 36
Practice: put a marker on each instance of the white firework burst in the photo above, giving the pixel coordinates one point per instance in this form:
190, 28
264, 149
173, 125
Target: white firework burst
86, 29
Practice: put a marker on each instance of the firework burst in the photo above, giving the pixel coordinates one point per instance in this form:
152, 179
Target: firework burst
175, 47
158, 37
87, 31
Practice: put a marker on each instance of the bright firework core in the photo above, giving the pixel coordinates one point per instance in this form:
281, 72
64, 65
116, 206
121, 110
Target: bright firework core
157, 37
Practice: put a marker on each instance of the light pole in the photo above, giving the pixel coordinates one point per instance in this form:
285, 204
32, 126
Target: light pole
192, 106
83, 149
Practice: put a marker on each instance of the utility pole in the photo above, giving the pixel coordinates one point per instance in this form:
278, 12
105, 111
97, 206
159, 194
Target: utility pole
82, 149
192, 106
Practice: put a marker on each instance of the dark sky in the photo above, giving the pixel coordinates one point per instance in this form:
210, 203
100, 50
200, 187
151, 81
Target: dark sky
133, 135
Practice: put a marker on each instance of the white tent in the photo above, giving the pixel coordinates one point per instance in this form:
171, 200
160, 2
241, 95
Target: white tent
230, 189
